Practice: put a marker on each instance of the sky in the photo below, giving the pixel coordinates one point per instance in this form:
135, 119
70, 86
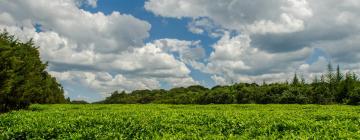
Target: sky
94, 47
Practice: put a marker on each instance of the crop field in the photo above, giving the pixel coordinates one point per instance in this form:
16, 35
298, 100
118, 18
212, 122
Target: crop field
182, 122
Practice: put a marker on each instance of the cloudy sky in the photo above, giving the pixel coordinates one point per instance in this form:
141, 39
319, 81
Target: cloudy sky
97, 46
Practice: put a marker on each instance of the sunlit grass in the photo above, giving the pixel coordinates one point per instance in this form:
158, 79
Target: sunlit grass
182, 122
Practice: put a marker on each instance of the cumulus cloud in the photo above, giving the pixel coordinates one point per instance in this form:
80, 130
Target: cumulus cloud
104, 82
205, 25
235, 60
186, 50
141, 68
257, 40
113, 32
99, 51
270, 40
255, 17
149, 61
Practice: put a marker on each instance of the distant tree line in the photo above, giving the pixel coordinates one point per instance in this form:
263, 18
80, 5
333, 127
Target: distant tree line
78, 102
333, 87
23, 77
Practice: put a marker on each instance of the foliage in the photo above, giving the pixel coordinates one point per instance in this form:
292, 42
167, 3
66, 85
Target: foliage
333, 87
23, 79
182, 122
78, 102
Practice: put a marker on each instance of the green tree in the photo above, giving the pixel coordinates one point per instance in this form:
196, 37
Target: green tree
295, 80
339, 75
23, 79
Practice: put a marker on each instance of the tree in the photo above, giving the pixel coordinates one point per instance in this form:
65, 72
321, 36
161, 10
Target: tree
339, 76
331, 82
68, 100
295, 80
303, 81
23, 76
315, 80
79, 102
354, 97
330, 77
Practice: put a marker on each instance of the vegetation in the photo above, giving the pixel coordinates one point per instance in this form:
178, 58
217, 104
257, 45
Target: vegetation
78, 102
23, 79
182, 122
331, 88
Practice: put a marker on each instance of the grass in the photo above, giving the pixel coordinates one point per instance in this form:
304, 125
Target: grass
182, 122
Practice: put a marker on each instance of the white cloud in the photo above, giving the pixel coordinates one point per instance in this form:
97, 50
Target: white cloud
256, 16
149, 60
205, 25
173, 8
92, 3
234, 60
104, 83
220, 80
298, 8
187, 50
270, 40
144, 66
6, 19
195, 30
258, 40
248, 64
114, 32
287, 24
98, 51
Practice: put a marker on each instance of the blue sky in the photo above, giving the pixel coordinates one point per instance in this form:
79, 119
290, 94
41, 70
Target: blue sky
95, 47
161, 27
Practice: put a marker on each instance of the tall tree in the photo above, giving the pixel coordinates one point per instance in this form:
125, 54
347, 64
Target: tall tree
295, 80
315, 80
23, 79
339, 75
303, 81
330, 74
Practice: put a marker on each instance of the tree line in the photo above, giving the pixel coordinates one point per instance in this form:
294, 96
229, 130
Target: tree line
333, 87
23, 76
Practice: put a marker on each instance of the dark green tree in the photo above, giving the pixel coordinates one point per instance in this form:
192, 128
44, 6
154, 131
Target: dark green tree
339, 75
23, 77
295, 80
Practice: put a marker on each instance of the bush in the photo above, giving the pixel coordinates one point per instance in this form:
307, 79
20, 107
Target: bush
354, 97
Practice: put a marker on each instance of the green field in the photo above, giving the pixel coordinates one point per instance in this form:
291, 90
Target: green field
182, 122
